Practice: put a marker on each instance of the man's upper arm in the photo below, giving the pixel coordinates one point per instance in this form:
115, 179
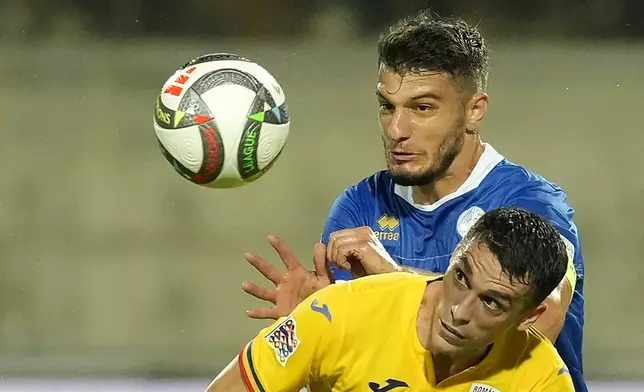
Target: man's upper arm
296, 349
344, 214
552, 205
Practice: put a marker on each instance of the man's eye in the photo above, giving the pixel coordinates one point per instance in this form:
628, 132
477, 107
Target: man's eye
492, 304
424, 108
386, 106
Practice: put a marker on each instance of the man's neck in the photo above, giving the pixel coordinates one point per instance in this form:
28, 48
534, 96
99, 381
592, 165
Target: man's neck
446, 366
455, 175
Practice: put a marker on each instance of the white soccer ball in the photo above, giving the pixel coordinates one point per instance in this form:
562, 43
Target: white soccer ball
221, 120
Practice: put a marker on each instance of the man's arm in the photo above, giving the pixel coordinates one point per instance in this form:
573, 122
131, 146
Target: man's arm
229, 380
293, 351
553, 206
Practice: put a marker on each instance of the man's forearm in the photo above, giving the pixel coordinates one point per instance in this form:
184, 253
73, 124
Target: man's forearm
229, 380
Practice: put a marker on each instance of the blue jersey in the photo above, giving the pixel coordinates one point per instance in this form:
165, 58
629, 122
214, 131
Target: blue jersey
424, 236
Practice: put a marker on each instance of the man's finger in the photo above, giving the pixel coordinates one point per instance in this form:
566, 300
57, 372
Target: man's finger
339, 248
351, 257
260, 292
264, 267
286, 254
334, 239
357, 269
263, 313
357, 234
320, 262
332, 248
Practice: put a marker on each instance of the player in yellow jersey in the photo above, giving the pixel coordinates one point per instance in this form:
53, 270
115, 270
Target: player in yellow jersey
469, 330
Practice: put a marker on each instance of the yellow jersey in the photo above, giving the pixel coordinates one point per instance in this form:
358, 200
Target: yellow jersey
361, 336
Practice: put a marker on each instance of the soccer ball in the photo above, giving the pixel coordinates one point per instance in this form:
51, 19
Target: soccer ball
221, 120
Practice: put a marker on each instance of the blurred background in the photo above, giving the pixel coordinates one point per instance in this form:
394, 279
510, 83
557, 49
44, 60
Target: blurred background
114, 268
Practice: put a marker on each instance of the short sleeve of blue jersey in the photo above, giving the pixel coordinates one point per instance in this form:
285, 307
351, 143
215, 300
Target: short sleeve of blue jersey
347, 212
551, 202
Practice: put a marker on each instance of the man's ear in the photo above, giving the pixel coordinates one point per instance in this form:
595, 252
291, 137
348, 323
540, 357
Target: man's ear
532, 316
476, 109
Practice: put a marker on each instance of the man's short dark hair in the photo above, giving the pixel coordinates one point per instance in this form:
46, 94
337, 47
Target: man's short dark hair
426, 42
528, 247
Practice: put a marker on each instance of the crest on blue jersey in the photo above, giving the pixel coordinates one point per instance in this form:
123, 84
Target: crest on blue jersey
467, 219
283, 339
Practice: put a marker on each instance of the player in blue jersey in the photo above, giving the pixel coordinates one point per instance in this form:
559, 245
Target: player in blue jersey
440, 178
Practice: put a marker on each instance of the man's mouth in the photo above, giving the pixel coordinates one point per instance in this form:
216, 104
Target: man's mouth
451, 330
402, 156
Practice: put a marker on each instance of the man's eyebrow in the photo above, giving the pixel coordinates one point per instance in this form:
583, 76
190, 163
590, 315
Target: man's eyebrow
498, 295
424, 95
467, 268
427, 94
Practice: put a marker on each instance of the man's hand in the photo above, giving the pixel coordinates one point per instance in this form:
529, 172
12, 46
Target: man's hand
292, 287
360, 252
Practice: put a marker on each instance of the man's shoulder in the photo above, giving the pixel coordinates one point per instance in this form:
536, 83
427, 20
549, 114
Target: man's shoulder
526, 360
388, 281
533, 355
373, 290
520, 187
521, 180
375, 307
367, 195
373, 186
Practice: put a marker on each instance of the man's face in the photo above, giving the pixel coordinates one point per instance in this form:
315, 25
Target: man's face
478, 303
423, 122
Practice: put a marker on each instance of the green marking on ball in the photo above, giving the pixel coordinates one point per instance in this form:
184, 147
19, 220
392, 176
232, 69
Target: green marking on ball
259, 117
249, 150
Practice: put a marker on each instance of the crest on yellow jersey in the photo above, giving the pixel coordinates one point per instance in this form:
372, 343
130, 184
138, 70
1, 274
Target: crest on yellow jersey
283, 339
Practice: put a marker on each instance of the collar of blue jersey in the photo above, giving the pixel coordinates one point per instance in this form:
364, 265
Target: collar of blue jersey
489, 159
